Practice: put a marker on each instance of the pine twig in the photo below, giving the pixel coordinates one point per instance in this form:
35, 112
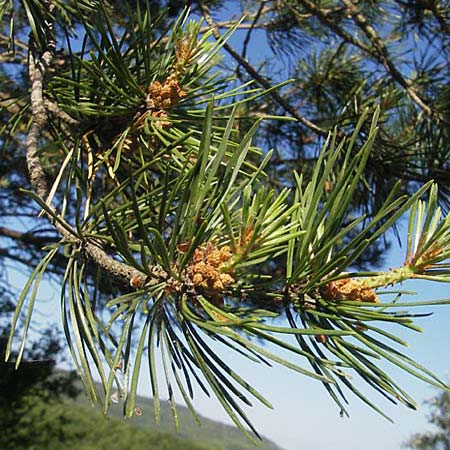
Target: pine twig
58, 112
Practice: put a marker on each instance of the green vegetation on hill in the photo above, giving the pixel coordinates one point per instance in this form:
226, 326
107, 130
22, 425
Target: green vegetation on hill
209, 434
45, 424
44, 409
65, 425
38, 411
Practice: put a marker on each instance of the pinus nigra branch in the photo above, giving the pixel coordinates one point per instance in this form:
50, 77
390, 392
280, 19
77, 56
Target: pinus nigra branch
158, 188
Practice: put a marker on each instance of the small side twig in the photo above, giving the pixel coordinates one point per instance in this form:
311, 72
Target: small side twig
250, 30
58, 112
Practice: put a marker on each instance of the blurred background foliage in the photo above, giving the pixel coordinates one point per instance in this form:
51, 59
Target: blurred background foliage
439, 436
44, 407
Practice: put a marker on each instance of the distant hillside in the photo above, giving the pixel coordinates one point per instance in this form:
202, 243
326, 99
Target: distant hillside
65, 425
47, 410
211, 434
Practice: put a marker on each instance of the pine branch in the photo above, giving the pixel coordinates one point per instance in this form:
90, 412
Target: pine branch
323, 16
180, 195
39, 118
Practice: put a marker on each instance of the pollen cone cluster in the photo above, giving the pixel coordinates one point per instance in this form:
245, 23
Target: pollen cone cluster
349, 289
210, 268
163, 96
